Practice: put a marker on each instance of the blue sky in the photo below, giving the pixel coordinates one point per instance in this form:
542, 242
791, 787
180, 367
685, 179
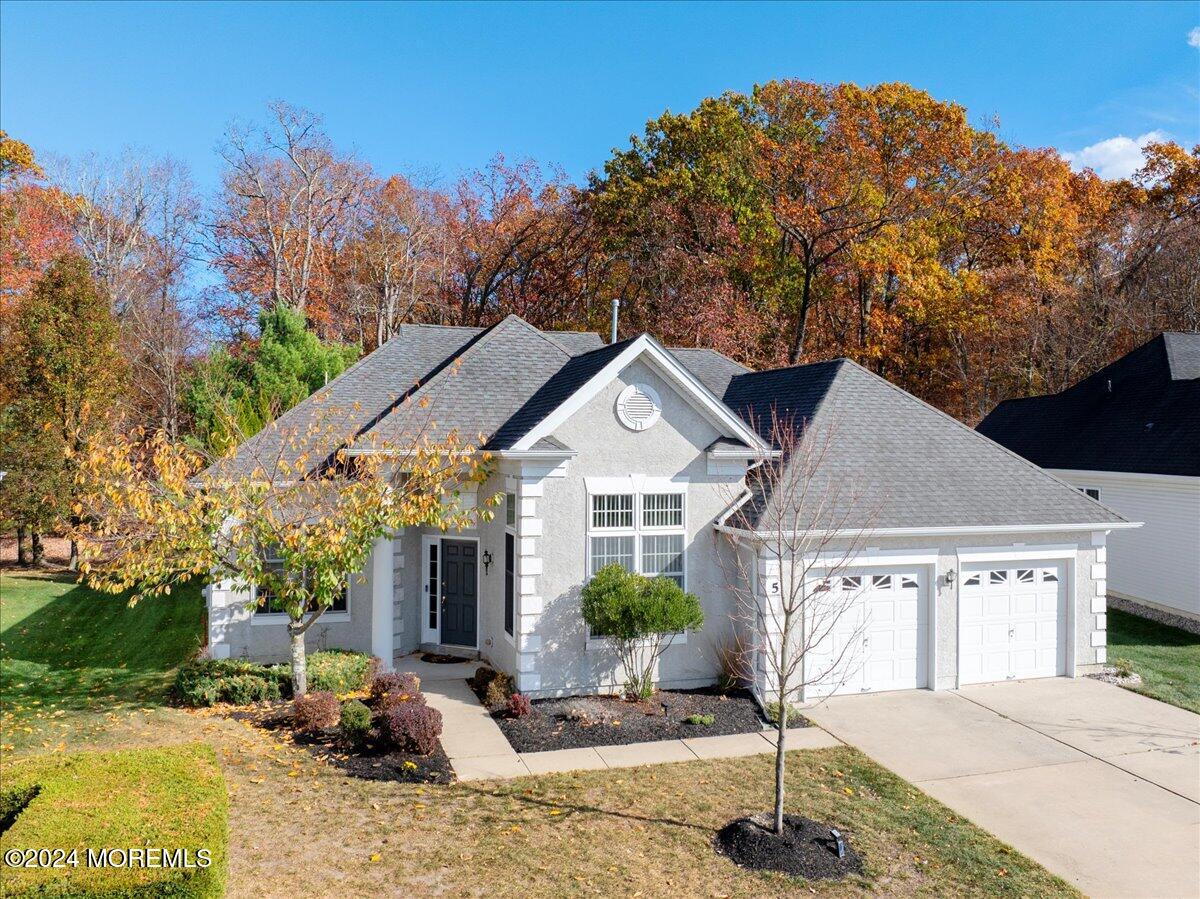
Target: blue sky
446, 86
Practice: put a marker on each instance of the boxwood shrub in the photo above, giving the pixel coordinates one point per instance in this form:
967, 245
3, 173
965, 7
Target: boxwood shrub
167, 798
209, 681
206, 682
340, 670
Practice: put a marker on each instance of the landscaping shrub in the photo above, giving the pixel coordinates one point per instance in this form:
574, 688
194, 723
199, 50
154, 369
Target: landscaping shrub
356, 722
13, 802
519, 705
341, 670
390, 700
491, 686
316, 711
639, 617
793, 713
413, 727
83, 801
394, 682
702, 720
208, 681
498, 690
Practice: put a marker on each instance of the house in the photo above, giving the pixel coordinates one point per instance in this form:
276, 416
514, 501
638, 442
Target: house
979, 567
1129, 436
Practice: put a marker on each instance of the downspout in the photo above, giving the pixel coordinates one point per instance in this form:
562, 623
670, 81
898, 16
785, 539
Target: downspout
616, 312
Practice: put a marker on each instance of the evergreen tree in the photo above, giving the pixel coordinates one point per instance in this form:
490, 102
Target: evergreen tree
238, 390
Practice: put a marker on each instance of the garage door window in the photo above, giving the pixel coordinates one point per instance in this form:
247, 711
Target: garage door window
1049, 576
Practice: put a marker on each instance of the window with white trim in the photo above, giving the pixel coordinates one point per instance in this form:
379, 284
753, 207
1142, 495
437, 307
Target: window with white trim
267, 603
1090, 492
641, 532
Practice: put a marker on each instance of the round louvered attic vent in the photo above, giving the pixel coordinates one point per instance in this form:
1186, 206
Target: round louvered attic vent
638, 407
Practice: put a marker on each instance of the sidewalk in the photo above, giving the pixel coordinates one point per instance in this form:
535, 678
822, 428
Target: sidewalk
478, 749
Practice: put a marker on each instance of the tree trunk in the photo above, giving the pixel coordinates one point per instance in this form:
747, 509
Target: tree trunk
22, 554
797, 348
73, 560
780, 738
37, 551
299, 665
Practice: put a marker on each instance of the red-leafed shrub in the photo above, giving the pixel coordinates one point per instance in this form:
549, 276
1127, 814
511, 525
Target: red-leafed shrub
519, 705
413, 727
389, 701
316, 711
394, 682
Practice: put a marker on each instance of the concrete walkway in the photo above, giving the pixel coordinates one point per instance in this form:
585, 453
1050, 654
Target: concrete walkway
1099, 784
478, 749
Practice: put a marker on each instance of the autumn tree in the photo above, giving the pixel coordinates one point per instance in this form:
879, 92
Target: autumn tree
390, 267
158, 513
134, 219
807, 526
62, 373
282, 214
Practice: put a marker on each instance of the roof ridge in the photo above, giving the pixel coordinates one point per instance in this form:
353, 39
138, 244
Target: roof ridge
430, 377
545, 335
916, 399
715, 352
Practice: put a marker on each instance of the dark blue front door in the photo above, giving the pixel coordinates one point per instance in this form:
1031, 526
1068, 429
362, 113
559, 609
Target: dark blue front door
459, 601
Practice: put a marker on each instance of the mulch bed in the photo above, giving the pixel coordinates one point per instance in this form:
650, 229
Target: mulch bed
584, 721
373, 761
440, 658
805, 848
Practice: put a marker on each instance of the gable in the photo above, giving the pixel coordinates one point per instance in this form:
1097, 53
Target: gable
585, 376
677, 439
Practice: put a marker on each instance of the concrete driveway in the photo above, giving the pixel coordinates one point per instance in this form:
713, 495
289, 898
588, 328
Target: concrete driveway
1100, 785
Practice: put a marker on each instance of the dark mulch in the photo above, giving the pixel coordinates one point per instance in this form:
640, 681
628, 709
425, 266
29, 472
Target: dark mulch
612, 721
440, 658
804, 850
373, 761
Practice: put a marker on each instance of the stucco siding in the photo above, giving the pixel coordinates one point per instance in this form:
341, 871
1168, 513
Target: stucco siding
674, 448
1158, 563
233, 632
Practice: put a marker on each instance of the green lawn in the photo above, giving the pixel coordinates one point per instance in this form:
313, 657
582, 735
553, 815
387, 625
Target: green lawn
170, 799
68, 652
1167, 658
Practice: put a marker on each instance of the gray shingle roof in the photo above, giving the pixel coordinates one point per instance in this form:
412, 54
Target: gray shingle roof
916, 466
892, 461
1140, 413
714, 370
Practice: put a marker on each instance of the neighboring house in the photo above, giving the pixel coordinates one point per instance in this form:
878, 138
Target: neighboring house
980, 566
1129, 436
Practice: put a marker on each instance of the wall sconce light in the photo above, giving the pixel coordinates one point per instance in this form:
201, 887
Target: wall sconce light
950, 578
487, 561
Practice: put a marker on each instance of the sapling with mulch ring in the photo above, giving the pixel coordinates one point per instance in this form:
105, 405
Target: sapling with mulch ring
639, 618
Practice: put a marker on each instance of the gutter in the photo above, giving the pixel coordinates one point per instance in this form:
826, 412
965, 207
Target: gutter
941, 531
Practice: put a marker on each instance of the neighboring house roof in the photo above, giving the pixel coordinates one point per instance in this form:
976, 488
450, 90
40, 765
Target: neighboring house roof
1139, 414
507, 385
891, 461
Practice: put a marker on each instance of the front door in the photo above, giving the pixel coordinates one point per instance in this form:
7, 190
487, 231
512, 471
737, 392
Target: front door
459, 600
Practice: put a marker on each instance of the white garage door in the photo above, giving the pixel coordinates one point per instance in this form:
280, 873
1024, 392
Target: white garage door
1012, 622
874, 627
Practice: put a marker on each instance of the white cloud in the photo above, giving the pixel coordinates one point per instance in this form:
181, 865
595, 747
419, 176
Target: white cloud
1194, 37
1116, 157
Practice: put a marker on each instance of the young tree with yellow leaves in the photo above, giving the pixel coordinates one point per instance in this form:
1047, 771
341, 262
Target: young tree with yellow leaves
158, 513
